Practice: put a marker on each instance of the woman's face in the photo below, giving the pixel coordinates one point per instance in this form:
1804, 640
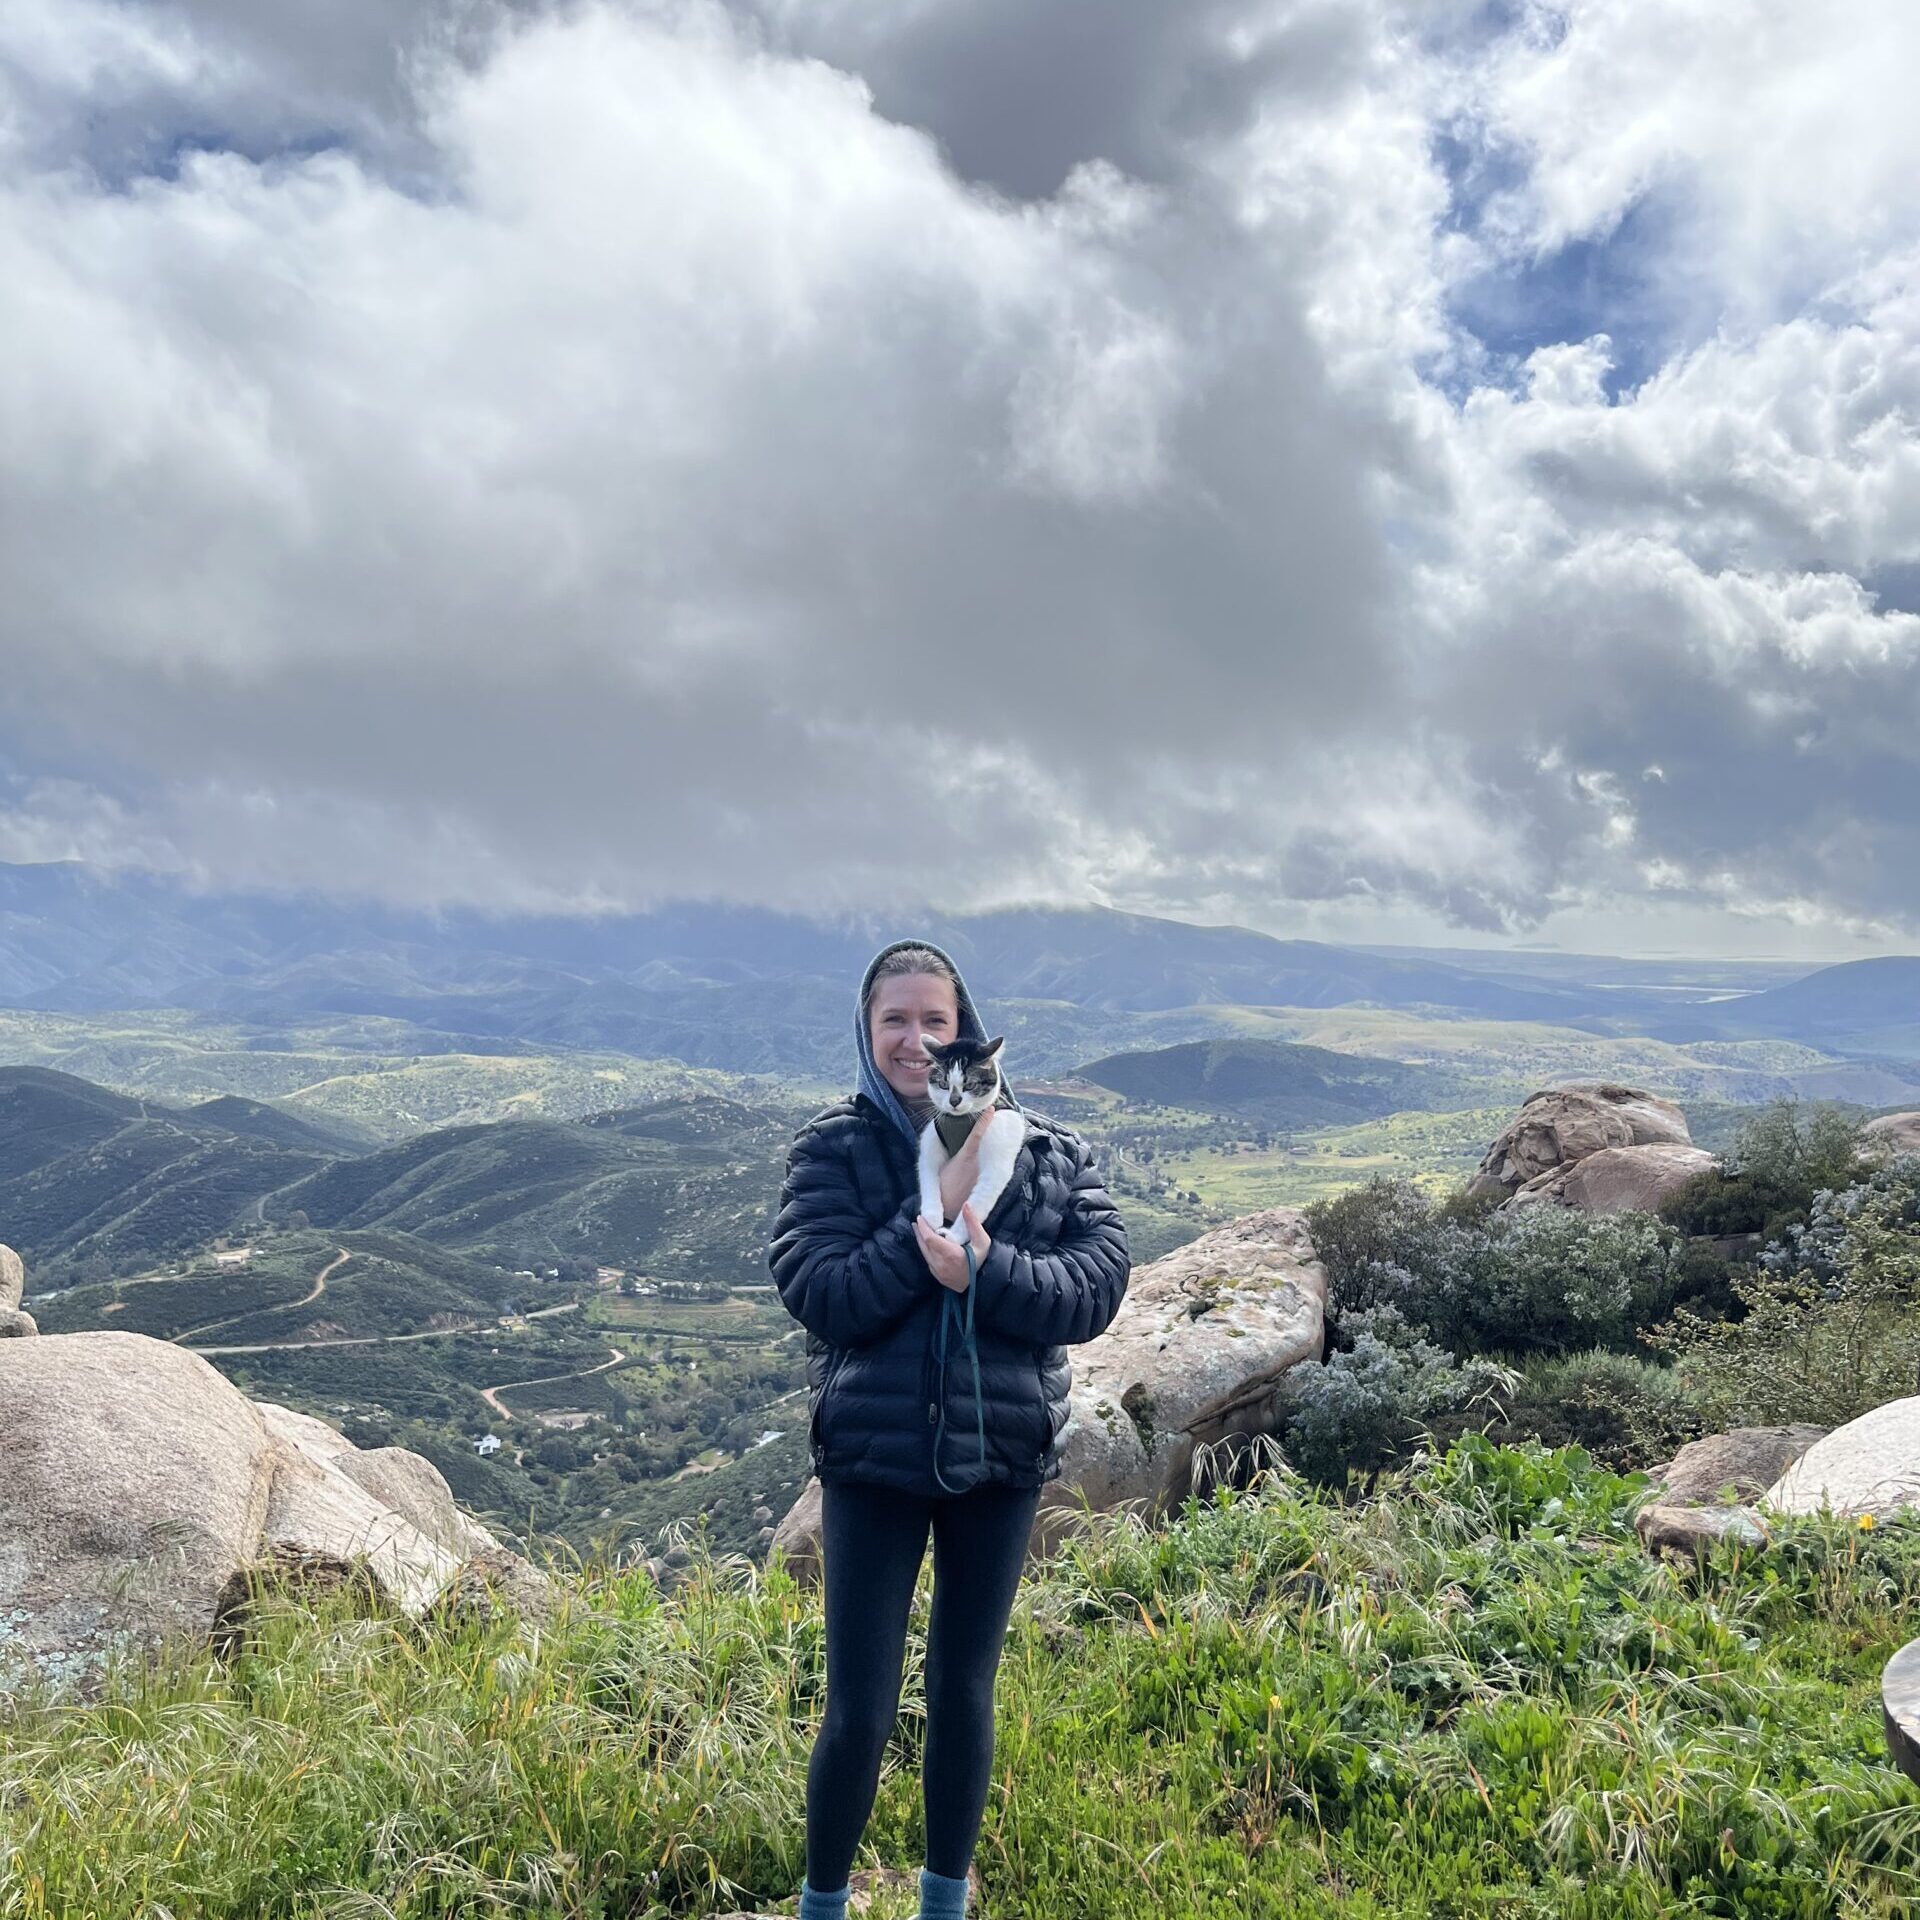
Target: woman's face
904, 1006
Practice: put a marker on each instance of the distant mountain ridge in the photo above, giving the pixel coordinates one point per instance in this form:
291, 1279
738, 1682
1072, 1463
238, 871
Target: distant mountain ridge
741, 988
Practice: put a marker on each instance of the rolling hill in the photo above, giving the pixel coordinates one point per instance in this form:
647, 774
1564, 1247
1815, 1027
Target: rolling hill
87, 1175
678, 1188
1272, 1081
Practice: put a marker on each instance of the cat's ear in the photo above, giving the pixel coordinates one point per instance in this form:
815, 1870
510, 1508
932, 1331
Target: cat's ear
991, 1048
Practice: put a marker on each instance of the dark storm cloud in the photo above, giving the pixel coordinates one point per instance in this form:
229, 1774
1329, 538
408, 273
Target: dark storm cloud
603, 448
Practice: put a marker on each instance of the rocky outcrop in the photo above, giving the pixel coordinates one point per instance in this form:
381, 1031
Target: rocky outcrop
1892, 1133
143, 1491
1869, 1466
798, 1535
1184, 1375
1744, 1462
1618, 1179
14, 1320
1900, 1708
1562, 1125
1696, 1531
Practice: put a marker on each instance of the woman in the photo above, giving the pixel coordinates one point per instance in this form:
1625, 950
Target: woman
910, 1429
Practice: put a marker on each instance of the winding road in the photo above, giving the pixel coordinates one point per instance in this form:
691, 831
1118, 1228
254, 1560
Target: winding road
491, 1395
340, 1259
389, 1339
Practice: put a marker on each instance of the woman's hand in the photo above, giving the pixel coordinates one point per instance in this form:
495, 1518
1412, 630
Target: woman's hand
958, 1176
949, 1262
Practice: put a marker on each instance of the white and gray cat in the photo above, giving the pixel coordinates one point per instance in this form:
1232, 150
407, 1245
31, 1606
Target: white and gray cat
963, 1081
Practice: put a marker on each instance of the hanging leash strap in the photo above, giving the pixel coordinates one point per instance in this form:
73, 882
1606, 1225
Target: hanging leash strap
951, 1306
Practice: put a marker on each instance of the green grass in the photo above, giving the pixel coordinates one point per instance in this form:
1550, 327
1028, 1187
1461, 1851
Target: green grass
1434, 1150
1471, 1695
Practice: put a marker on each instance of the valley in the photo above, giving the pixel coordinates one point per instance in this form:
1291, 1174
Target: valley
539, 1259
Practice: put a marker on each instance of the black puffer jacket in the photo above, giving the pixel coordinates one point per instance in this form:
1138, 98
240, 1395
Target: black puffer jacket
849, 1269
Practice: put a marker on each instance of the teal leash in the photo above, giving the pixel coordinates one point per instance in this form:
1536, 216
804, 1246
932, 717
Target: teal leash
947, 1306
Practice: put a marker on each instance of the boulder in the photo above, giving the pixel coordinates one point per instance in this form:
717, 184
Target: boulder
1696, 1531
14, 1322
1560, 1125
798, 1536
1892, 1133
144, 1491
1870, 1465
1900, 1708
137, 1487
1186, 1372
1618, 1179
1745, 1462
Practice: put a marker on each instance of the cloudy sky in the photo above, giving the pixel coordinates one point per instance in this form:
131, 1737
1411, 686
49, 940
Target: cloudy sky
1361, 469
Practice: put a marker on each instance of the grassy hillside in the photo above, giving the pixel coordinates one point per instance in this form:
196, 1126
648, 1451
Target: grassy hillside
1272, 1080
292, 1286
90, 1179
1471, 1696
683, 1189
370, 1078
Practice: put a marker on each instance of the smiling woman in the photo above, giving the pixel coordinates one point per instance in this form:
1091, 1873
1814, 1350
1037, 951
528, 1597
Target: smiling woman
853, 1271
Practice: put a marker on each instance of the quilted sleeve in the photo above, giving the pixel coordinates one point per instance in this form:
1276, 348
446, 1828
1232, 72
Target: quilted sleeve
842, 1280
1067, 1293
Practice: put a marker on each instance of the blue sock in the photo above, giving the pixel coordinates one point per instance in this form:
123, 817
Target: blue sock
942, 1898
815, 1905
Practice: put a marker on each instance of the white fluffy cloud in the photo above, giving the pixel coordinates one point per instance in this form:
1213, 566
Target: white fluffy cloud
632, 450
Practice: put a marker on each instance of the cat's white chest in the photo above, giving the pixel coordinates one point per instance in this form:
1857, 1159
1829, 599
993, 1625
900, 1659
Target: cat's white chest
999, 1150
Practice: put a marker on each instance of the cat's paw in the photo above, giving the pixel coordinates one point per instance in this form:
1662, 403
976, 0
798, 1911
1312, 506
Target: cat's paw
957, 1233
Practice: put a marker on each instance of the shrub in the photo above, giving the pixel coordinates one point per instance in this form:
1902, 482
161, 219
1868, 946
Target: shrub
1780, 1158
1539, 1280
1370, 1402
1626, 1413
1376, 1242
1830, 1328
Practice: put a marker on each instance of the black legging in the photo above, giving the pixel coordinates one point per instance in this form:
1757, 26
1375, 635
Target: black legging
872, 1543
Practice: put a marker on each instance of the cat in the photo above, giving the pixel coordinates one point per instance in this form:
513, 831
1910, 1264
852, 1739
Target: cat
962, 1082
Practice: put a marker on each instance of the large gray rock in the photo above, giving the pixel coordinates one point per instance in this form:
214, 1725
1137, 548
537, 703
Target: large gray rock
142, 1490
1871, 1465
1745, 1462
1188, 1367
798, 1535
1559, 1125
1696, 1531
14, 1322
136, 1486
1900, 1708
1618, 1179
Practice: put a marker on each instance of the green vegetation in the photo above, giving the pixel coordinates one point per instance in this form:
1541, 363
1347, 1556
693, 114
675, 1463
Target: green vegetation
365, 1076
1469, 1696
1273, 1081
1828, 1325
1779, 1159
1238, 1170
684, 1188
